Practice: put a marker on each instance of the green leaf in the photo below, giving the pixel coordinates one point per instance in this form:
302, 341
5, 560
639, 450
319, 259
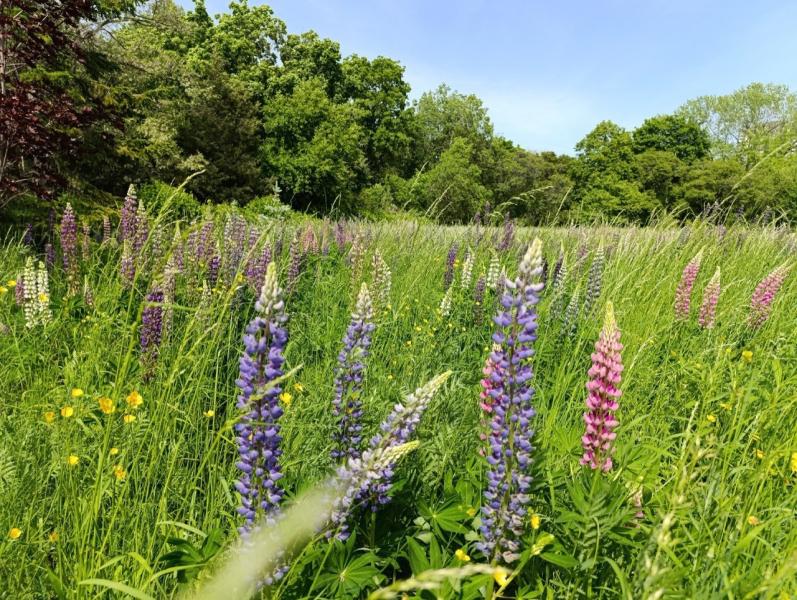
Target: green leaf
119, 587
560, 560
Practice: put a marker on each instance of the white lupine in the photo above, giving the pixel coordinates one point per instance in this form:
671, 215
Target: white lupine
467, 270
493, 272
382, 282
445, 303
44, 314
36, 298
29, 297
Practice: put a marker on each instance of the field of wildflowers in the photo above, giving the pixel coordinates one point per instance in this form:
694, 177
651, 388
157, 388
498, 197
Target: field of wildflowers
478, 412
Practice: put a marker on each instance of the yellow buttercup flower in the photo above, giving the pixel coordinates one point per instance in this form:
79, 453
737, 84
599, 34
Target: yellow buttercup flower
53, 537
500, 575
119, 473
535, 521
389, 377
107, 405
286, 398
298, 387
49, 416
11, 283
114, 451
67, 411
129, 418
3, 290
759, 454
209, 413
14, 533
725, 405
461, 555
43, 297
76, 393
747, 356
752, 520
134, 400
794, 462
471, 512
72, 460
711, 419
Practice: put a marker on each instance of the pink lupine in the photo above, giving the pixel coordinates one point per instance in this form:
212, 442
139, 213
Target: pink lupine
764, 296
711, 296
683, 295
604, 376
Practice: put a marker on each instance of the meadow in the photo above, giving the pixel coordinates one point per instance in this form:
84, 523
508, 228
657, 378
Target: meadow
121, 426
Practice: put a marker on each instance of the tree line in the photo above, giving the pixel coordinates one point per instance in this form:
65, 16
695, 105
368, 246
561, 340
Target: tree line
95, 95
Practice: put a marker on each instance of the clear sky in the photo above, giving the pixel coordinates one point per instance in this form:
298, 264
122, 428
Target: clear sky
548, 71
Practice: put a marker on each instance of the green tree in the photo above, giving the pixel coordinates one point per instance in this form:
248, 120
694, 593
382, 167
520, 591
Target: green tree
672, 133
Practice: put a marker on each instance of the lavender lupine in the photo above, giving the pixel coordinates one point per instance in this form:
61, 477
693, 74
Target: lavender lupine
340, 236
683, 294
594, 280
234, 243
127, 223
258, 431
295, 262
602, 394
508, 236
214, 264
346, 404
367, 480
69, 244
27, 237
503, 513
151, 330
764, 296
451, 259
708, 308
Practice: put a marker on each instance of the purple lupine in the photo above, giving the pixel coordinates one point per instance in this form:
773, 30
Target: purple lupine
204, 243
151, 330
295, 262
448, 276
27, 237
127, 222
478, 299
764, 296
602, 393
509, 235
256, 267
234, 242
49, 256
258, 431
509, 441
347, 404
683, 294
69, 242
367, 480
214, 264
127, 264
340, 236
708, 308
594, 281
106, 229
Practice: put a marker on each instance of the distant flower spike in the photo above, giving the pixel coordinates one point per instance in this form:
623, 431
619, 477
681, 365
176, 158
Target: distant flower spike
711, 296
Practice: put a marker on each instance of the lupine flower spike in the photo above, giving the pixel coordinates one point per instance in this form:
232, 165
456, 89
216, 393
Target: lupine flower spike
602, 395
683, 294
382, 282
467, 270
595, 280
711, 296
509, 446
347, 405
69, 246
764, 296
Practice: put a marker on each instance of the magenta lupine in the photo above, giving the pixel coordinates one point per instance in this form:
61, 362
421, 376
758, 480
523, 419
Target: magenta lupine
69, 243
711, 296
683, 294
151, 330
127, 223
764, 296
258, 431
602, 394
346, 403
509, 448
309, 240
367, 480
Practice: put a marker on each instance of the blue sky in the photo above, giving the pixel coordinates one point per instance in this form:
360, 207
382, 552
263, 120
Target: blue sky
549, 71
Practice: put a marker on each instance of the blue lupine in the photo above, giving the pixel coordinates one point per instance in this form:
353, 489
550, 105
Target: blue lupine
509, 441
346, 405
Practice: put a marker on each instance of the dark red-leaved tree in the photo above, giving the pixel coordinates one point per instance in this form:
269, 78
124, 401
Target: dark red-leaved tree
42, 110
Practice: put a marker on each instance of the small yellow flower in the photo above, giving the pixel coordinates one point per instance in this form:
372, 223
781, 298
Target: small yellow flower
461, 555
67, 411
794, 462
759, 454
14, 533
114, 451
408, 343
134, 400
119, 473
418, 328
286, 398
3, 290
11, 283
500, 575
298, 387
751, 520
471, 512
72, 460
209, 413
747, 356
535, 521
725, 405
76, 393
711, 419
389, 377
129, 419
53, 537
43, 297
49, 416
107, 405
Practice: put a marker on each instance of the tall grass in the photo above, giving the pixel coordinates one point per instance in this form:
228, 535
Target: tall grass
706, 434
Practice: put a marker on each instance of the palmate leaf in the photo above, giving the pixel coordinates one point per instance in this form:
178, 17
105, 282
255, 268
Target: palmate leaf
350, 574
447, 517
